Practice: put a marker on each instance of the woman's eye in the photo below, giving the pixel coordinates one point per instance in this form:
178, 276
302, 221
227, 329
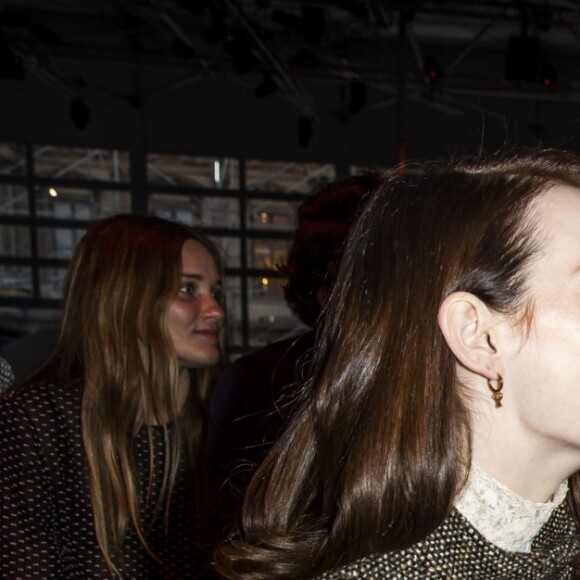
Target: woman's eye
218, 295
188, 289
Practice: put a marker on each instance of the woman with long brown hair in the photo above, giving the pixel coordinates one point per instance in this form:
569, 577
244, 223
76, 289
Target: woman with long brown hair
99, 448
439, 435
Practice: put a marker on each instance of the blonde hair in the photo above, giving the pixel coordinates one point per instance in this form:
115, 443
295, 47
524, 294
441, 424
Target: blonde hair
123, 276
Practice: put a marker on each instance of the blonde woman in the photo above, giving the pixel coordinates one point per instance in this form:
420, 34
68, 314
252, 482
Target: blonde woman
98, 464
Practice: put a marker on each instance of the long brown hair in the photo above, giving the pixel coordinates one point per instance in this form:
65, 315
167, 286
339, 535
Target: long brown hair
378, 450
114, 339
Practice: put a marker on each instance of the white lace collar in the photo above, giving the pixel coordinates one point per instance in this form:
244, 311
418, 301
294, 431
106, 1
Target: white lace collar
502, 516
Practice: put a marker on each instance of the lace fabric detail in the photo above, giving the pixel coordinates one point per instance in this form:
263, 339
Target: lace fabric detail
502, 516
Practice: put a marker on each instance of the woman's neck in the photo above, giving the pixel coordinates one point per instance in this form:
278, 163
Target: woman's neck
530, 466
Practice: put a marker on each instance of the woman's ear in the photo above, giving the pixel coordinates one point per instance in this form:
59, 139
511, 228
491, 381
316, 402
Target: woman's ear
468, 326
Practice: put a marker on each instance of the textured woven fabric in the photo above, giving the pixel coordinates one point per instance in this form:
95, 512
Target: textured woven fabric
46, 522
6, 375
456, 551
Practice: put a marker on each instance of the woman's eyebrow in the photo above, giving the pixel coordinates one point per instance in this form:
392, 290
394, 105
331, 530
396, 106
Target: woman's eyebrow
200, 278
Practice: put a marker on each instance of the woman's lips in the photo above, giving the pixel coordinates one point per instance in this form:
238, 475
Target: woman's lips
209, 334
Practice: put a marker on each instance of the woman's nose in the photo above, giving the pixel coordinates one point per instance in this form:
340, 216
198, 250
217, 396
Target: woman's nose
212, 308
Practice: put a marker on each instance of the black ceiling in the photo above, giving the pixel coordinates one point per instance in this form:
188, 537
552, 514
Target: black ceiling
443, 51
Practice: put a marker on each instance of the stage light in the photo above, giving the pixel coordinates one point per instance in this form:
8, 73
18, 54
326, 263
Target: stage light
543, 16
304, 58
10, 66
304, 131
241, 52
286, 19
268, 87
196, 7
181, 49
521, 61
79, 113
217, 29
432, 69
46, 35
313, 24
548, 75
358, 97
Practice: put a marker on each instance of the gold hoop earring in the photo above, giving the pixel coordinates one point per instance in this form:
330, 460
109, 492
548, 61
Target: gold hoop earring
496, 393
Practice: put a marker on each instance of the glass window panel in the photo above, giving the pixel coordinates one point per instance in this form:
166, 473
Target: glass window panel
52, 282
81, 163
267, 253
288, 177
13, 199
12, 159
196, 210
81, 204
234, 310
14, 240
271, 214
270, 318
58, 242
210, 172
15, 281
230, 250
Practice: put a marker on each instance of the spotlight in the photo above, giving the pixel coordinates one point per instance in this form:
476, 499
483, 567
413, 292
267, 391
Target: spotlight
548, 75
242, 55
10, 66
304, 131
304, 58
196, 7
46, 35
313, 24
432, 69
79, 113
543, 16
181, 49
217, 29
358, 97
521, 61
268, 87
286, 19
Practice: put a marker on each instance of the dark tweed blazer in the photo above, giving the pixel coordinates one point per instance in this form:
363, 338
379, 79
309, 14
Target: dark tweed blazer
457, 551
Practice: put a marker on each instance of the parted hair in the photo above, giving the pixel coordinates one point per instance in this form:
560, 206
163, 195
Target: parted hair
378, 449
324, 220
124, 275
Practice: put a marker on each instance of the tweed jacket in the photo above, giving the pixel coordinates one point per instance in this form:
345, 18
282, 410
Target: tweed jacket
6, 375
457, 551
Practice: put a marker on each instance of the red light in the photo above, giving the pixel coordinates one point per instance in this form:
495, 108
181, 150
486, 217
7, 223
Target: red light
432, 69
548, 75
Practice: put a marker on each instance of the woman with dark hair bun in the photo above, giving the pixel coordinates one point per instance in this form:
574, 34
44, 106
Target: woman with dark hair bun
99, 462
439, 435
